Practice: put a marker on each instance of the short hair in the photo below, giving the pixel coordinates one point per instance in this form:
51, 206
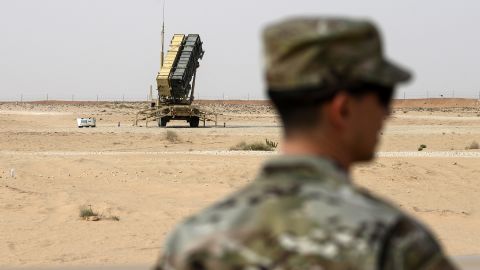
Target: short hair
299, 108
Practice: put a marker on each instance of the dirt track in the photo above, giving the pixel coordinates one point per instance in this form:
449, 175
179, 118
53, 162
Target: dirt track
437, 154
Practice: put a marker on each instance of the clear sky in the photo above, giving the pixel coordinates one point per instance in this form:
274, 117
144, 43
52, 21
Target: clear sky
111, 48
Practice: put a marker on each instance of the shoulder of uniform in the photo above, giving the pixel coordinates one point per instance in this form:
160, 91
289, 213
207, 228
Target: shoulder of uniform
409, 245
194, 230
351, 199
378, 202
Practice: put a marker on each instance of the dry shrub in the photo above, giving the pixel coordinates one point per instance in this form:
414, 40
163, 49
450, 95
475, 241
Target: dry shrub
257, 146
172, 136
271, 143
86, 212
114, 218
473, 145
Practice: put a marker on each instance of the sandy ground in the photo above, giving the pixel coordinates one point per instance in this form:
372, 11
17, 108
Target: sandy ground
49, 169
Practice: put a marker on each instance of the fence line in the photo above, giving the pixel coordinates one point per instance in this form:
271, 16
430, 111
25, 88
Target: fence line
129, 97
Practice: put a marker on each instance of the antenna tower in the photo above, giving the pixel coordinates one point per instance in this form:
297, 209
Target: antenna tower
163, 34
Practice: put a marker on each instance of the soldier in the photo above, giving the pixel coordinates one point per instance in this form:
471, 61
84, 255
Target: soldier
332, 87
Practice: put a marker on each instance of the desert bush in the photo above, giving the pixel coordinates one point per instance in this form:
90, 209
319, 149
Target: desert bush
421, 147
114, 218
271, 143
256, 146
172, 136
86, 212
473, 145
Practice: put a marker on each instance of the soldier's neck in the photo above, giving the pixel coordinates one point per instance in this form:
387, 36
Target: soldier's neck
325, 147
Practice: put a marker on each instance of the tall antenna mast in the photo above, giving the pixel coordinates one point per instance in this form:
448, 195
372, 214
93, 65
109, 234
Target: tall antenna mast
163, 34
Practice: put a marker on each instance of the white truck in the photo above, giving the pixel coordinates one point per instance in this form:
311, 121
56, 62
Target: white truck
86, 122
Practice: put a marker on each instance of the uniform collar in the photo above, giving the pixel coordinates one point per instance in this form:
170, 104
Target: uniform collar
300, 166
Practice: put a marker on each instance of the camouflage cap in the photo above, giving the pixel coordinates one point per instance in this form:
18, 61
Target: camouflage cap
326, 53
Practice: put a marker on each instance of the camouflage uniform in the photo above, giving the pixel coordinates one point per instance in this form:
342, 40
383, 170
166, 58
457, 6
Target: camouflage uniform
326, 54
303, 212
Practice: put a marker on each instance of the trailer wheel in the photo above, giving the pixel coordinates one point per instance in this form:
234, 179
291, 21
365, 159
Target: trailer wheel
162, 122
194, 121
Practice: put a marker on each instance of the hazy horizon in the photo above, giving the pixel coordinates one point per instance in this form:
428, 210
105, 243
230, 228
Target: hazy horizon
111, 48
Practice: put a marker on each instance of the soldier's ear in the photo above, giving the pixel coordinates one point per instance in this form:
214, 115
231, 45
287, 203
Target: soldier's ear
338, 111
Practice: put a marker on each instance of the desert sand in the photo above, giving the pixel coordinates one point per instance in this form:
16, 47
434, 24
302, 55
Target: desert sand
50, 169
